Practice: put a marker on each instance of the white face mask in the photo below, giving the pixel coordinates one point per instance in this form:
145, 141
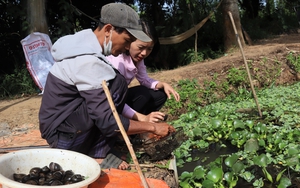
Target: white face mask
107, 46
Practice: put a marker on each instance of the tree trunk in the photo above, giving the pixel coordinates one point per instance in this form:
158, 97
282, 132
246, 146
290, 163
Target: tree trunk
229, 35
36, 15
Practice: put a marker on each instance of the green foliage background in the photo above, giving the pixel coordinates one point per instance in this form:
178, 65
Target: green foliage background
270, 17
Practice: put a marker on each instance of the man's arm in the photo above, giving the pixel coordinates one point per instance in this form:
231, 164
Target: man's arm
159, 129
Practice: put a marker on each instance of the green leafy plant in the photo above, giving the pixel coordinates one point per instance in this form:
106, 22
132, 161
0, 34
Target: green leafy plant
237, 77
262, 143
190, 98
294, 60
17, 83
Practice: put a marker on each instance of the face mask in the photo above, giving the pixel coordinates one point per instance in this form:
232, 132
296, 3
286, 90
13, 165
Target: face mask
107, 46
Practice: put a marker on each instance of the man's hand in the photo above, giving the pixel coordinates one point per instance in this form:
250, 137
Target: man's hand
163, 129
160, 130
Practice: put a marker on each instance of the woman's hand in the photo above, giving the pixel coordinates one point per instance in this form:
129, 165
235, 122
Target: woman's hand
168, 90
153, 117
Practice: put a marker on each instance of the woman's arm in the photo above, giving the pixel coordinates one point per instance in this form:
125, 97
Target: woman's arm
142, 76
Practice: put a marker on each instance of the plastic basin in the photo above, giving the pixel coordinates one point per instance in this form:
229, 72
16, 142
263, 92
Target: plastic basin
22, 161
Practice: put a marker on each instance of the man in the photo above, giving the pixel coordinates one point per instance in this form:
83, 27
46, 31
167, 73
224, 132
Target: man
75, 113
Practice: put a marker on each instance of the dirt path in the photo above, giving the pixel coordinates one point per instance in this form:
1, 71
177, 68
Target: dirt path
19, 117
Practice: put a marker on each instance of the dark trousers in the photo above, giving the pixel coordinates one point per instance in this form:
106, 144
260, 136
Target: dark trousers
145, 100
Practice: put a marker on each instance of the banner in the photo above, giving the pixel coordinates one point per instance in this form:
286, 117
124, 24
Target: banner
37, 50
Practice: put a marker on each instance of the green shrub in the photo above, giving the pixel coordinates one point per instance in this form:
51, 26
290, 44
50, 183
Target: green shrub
190, 97
237, 77
19, 82
294, 60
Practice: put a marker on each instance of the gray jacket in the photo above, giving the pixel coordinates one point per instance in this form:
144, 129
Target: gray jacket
76, 79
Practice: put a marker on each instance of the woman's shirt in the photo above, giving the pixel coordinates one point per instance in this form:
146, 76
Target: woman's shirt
130, 71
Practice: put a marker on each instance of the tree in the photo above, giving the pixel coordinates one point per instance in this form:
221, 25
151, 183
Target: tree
229, 35
12, 15
251, 7
37, 16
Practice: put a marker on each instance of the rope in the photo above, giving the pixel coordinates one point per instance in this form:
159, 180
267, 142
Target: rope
181, 37
80, 12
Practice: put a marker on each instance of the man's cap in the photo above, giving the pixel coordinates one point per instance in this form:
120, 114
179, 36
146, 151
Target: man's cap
122, 15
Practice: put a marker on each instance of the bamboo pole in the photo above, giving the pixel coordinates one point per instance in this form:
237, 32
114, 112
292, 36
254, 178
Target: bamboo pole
124, 134
246, 64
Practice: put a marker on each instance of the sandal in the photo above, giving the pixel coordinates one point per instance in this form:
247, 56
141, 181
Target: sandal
111, 161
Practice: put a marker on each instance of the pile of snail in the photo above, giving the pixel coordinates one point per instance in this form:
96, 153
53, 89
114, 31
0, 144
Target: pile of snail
51, 176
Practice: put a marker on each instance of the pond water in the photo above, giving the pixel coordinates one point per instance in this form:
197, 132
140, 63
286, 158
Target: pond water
215, 151
205, 157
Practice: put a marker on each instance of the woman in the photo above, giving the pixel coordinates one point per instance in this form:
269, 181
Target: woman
143, 101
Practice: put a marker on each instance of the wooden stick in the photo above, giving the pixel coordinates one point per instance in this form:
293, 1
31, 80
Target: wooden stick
124, 134
246, 64
145, 165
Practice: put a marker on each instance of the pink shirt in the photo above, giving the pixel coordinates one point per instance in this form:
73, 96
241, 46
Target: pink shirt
127, 68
